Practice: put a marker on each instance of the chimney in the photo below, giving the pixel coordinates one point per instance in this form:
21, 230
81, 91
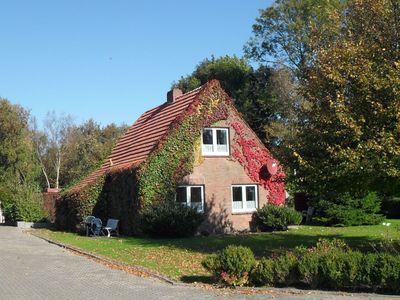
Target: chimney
173, 94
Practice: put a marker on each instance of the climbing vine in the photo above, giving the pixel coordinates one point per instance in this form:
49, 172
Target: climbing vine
175, 155
74, 205
254, 159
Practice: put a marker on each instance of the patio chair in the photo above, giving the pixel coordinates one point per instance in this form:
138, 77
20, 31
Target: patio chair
97, 225
88, 225
93, 226
111, 227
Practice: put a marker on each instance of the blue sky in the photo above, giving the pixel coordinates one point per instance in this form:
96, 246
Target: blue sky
111, 60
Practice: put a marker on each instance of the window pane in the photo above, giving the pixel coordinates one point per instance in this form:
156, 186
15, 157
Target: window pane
207, 137
250, 193
181, 195
195, 194
237, 193
222, 137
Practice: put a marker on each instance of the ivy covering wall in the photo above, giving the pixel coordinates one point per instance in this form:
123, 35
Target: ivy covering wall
122, 194
175, 155
254, 160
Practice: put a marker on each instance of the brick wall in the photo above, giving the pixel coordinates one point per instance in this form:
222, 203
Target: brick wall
218, 174
49, 201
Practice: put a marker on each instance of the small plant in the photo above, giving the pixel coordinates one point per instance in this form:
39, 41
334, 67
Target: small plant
272, 217
170, 219
231, 265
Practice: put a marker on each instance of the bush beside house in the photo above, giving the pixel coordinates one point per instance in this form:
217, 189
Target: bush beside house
170, 219
272, 217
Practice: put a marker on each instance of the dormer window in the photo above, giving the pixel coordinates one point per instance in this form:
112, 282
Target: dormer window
215, 142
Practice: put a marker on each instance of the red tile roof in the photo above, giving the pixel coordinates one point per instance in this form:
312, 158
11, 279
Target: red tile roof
140, 139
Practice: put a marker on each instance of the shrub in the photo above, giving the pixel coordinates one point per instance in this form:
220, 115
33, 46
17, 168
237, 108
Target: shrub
333, 265
232, 265
350, 211
170, 219
272, 217
389, 272
308, 268
368, 275
22, 202
263, 272
284, 267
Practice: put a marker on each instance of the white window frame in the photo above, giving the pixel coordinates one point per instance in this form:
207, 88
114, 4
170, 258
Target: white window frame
244, 200
214, 138
189, 195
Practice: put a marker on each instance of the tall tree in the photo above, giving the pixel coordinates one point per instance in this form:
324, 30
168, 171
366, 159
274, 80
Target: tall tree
250, 89
57, 129
232, 72
41, 145
86, 147
17, 156
283, 31
19, 169
283, 38
350, 140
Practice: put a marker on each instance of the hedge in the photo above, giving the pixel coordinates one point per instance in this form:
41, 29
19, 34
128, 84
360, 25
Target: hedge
329, 265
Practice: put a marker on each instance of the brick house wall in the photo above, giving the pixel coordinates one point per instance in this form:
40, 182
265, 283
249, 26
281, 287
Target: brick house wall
218, 174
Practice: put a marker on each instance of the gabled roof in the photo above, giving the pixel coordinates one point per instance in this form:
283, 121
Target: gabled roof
141, 138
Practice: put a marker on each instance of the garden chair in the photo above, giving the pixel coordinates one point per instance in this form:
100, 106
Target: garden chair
111, 227
97, 226
93, 226
88, 225
308, 214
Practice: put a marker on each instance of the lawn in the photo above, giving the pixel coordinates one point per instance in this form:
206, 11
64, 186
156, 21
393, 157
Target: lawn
180, 259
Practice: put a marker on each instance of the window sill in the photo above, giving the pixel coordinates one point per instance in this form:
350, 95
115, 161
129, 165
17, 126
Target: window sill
244, 212
215, 155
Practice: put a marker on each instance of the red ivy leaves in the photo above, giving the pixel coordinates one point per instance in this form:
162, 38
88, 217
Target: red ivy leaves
254, 160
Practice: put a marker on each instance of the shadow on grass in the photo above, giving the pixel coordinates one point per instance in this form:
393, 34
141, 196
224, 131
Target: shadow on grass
261, 244
197, 279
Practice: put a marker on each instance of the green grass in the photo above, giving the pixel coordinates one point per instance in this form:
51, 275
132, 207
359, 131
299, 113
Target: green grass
181, 258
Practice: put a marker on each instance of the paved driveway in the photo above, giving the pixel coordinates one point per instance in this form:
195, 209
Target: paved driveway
31, 268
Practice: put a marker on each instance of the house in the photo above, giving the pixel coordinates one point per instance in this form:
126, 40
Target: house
195, 148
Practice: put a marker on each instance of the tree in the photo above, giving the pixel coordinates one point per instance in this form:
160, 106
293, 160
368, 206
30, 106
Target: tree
41, 144
68, 152
232, 72
350, 140
86, 148
250, 89
283, 32
57, 129
19, 169
17, 156
282, 40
